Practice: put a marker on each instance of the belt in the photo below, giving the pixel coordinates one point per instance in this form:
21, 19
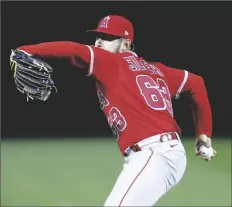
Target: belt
154, 139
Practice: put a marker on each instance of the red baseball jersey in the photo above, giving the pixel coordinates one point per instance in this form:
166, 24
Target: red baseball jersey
135, 95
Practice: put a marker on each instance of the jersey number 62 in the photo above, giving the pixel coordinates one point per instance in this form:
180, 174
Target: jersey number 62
155, 93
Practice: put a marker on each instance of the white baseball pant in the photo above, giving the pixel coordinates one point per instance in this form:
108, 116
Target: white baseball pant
149, 174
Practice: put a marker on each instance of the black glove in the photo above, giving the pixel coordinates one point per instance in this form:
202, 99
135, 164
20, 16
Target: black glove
32, 76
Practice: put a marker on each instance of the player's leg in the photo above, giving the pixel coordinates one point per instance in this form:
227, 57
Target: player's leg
145, 177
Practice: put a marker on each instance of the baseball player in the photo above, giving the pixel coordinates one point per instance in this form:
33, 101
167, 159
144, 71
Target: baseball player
136, 98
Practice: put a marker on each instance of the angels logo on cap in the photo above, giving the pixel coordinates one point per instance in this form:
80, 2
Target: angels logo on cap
104, 22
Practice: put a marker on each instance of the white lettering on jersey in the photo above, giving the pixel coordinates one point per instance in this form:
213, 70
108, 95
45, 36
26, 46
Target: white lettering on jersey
138, 65
102, 100
134, 64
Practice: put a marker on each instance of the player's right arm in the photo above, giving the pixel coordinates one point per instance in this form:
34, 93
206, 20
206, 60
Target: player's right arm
180, 81
95, 59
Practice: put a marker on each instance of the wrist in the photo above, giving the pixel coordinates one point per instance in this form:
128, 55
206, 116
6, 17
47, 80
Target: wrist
203, 140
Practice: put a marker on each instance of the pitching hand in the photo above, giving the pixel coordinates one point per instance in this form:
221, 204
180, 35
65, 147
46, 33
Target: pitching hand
203, 148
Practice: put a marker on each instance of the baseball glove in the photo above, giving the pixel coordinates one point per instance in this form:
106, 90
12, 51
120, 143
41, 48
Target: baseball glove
31, 75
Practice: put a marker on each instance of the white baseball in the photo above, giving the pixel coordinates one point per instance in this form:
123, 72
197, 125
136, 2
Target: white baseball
206, 152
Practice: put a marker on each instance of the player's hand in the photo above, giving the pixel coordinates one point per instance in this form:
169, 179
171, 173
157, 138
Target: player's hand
203, 148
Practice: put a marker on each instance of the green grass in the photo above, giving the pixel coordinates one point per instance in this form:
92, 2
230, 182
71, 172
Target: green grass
82, 173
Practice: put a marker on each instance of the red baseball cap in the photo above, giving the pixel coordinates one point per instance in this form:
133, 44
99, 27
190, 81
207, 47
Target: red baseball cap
115, 25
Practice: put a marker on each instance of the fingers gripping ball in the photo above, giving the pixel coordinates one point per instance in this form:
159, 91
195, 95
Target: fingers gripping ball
31, 75
206, 152
203, 148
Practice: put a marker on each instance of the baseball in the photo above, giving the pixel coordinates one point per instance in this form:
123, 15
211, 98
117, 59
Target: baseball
205, 151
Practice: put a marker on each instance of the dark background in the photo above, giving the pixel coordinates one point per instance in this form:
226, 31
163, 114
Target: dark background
195, 36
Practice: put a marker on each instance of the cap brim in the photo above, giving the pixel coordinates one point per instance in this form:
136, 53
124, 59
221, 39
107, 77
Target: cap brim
100, 31
103, 31
92, 30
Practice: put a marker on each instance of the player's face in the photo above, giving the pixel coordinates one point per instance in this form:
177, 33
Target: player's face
108, 42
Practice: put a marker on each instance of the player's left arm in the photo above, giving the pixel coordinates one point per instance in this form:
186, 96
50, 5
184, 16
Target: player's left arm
93, 60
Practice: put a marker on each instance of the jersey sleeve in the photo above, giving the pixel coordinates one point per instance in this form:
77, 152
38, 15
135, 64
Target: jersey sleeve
176, 79
180, 81
99, 63
103, 65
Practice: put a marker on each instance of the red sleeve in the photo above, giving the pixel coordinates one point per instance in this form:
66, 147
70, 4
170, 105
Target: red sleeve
200, 104
174, 77
101, 63
104, 66
180, 81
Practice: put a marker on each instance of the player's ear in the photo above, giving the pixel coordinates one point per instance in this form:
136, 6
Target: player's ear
126, 45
